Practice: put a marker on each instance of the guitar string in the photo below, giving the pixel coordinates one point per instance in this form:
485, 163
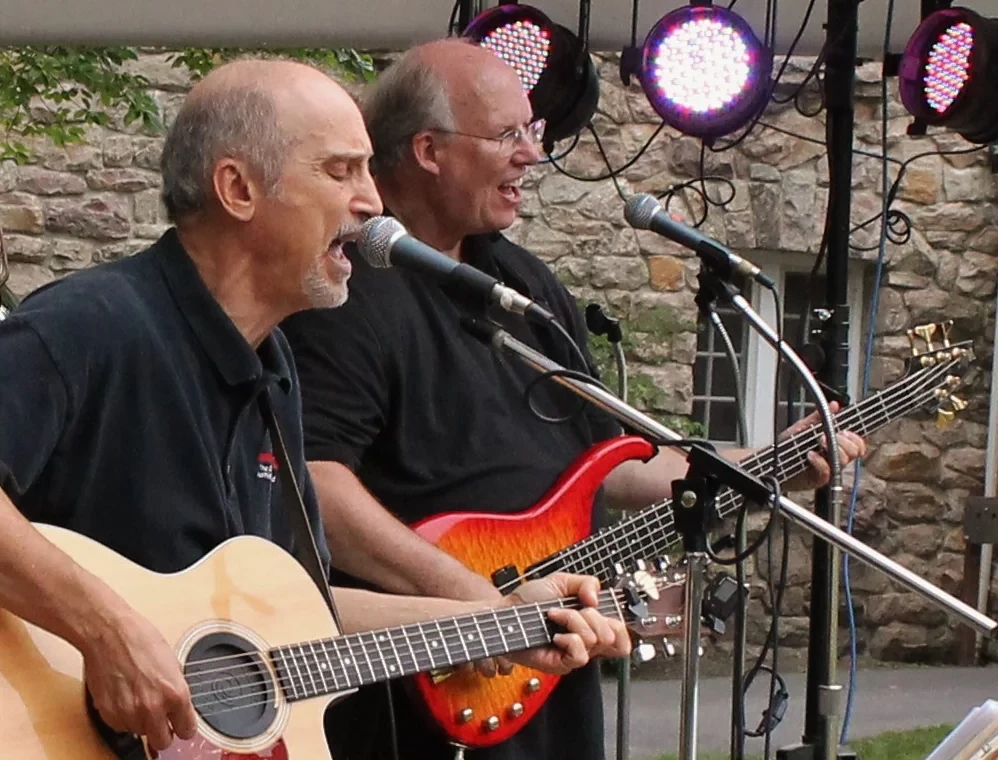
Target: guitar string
530, 629
637, 525
584, 554
810, 433
458, 627
670, 536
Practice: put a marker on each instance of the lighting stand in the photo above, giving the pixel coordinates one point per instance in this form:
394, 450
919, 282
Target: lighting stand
820, 739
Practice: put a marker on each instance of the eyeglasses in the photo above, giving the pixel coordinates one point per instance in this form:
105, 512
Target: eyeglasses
532, 134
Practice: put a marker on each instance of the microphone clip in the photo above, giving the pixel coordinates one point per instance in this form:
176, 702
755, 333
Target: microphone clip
600, 323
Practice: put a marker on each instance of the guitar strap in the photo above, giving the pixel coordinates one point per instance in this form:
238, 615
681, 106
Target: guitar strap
305, 550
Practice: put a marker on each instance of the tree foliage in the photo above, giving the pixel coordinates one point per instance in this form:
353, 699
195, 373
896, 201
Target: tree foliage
56, 92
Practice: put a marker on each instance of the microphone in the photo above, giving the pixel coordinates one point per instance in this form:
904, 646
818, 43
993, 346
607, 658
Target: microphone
384, 242
644, 212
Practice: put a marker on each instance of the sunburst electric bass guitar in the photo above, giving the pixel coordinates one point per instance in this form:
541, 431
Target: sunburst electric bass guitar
555, 534
260, 652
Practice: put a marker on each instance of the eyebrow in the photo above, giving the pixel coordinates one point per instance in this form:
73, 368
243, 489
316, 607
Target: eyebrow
349, 155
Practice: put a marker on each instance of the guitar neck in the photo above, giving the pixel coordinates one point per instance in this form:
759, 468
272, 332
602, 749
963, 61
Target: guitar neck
327, 666
650, 532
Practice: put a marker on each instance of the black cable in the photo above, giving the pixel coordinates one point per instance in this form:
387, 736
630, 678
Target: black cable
771, 85
612, 172
453, 18
567, 151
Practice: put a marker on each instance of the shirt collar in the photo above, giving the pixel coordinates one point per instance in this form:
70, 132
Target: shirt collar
488, 253
221, 340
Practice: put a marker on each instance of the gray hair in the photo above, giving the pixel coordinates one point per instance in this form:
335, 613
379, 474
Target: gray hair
241, 122
407, 98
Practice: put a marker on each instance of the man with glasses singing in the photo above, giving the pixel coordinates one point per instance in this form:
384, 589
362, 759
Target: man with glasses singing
406, 415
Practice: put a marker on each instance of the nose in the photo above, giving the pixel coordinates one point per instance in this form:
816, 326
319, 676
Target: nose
527, 152
366, 200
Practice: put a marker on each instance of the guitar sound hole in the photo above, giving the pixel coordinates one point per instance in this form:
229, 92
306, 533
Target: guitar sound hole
231, 688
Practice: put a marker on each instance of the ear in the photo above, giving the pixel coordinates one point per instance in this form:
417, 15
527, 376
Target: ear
237, 189
425, 150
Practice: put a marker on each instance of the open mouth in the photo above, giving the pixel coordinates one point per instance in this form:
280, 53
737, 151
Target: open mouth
335, 250
511, 190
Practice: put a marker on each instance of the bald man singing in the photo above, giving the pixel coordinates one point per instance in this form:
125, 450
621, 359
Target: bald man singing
130, 409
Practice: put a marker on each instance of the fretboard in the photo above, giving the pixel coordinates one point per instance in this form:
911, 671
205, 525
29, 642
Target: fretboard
650, 532
315, 668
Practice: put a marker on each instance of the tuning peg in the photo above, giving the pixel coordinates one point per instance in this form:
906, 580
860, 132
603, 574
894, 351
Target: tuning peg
641, 565
618, 569
958, 404
643, 652
944, 417
662, 564
945, 326
668, 649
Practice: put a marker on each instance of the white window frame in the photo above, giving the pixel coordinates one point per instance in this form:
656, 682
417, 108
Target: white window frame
760, 358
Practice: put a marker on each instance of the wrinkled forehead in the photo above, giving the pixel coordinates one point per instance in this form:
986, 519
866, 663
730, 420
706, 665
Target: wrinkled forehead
325, 118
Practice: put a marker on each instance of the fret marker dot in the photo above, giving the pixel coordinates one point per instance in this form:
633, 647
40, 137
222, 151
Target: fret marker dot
471, 637
391, 668
434, 643
346, 660
323, 666
382, 638
509, 629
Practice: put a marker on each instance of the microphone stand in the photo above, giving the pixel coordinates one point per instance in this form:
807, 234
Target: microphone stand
719, 468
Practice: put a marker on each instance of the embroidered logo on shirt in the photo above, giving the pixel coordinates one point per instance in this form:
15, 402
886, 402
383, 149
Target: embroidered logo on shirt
266, 468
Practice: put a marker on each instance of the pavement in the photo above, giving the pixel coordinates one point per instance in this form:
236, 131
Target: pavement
885, 700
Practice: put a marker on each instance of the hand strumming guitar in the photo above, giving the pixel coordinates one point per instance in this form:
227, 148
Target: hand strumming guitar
135, 679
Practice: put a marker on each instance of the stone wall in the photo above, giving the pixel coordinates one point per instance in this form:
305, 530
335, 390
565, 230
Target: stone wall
83, 205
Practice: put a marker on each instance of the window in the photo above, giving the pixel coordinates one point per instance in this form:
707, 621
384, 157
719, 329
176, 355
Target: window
714, 403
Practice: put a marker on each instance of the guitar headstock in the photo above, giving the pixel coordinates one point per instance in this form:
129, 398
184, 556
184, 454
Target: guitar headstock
944, 364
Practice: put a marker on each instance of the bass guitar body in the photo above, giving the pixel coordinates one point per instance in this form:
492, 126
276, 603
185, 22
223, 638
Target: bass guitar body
246, 595
475, 711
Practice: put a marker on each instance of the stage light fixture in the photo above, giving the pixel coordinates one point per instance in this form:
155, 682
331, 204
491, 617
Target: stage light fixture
703, 70
553, 65
948, 75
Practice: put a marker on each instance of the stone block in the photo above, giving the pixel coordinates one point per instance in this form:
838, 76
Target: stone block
666, 272
99, 218
20, 212
905, 462
122, 180
626, 273
40, 181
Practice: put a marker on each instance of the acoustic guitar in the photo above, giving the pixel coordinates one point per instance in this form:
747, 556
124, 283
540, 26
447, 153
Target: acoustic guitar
260, 652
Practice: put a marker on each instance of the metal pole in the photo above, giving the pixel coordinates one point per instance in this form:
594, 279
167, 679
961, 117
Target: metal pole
820, 715
696, 567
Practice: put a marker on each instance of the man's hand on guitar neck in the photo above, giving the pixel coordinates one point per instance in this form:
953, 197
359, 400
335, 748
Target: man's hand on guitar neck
819, 473
635, 485
587, 634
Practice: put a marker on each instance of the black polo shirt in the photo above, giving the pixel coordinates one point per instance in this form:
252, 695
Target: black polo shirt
431, 420
129, 413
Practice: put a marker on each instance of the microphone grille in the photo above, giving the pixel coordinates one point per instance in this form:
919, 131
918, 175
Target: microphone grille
640, 209
377, 237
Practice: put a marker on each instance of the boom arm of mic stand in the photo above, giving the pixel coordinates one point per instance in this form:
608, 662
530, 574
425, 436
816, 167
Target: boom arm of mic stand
824, 411
797, 514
